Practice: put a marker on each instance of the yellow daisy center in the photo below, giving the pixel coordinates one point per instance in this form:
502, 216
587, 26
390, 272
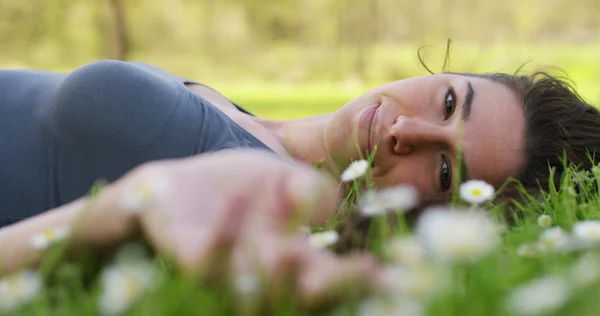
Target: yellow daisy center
465, 249
14, 286
49, 234
476, 192
144, 189
550, 243
133, 288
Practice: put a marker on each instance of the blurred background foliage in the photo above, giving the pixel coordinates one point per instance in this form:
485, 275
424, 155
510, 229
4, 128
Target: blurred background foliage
275, 55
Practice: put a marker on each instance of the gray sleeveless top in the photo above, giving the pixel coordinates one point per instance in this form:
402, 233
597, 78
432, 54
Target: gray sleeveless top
60, 133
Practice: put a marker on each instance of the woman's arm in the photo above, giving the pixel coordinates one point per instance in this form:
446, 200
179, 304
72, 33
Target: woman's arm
92, 223
218, 216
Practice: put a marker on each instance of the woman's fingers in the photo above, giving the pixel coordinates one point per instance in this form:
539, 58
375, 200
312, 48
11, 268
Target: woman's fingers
282, 189
301, 276
212, 260
312, 197
327, 279
283, 277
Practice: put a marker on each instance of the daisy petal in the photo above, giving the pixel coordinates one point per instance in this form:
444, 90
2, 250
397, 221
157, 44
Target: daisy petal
49, 237
19, 289
124, 284
324, 239
539, 296
457, 236
544, 221
401, 198
355, 170
476, 191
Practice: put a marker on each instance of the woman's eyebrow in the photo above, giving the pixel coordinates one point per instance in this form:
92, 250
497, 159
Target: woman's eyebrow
466, 112
466, 108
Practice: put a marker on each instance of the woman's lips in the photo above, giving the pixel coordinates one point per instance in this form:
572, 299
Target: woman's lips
365, 123
373, 137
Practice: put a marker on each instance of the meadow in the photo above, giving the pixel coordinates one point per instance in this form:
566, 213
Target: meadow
537, 266
545, 260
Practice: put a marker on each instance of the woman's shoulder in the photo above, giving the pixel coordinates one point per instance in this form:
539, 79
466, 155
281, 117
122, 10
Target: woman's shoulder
113, 100
161, 73
119, 105
205, 91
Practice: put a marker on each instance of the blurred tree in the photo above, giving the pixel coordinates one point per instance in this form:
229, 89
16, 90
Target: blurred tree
118, 37
337, 37
274, 20
355, 30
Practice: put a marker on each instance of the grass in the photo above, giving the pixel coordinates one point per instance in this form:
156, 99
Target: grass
479, 287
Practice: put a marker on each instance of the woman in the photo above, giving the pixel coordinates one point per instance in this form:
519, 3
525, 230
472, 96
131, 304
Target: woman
107, 118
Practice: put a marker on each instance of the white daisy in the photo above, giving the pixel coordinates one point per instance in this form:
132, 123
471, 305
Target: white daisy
371, 205
141, 192
581, 177
544, 221
527, 250
246, 284
587, 231
554, 239
405, 250
322, 240
131, 253
417, 282
18, 289
571, 191
355, 170
586, 270
450, 235
384, 306
596, 171
49, 237
399, 198
123, 284
476, 191
305, 230
539, 296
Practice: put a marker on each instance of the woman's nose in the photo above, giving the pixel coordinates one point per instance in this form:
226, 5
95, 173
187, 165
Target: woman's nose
409, 134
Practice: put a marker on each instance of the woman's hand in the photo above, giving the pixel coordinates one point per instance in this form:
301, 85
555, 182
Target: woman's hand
238, 213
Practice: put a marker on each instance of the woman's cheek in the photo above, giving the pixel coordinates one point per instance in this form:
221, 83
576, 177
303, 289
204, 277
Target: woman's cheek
406, 174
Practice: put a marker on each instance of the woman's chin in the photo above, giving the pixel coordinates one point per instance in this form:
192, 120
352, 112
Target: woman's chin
345, 140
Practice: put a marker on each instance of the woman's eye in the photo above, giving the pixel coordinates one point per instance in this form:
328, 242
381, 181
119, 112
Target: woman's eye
449, 103
445, 174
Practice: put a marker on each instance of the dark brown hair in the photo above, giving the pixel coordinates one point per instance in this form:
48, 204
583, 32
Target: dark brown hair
561, 128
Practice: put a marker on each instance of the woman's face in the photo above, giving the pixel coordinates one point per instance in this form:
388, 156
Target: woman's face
419, 123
